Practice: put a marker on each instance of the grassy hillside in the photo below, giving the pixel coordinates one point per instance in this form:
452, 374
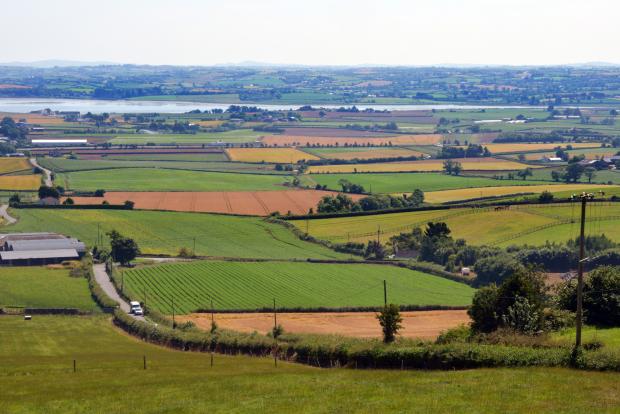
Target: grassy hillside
110, 378
42, 287
477, 226
166, 232
152, 179
242, 285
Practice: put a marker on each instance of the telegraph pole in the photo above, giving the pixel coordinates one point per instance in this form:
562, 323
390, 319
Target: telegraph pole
275, 338
384, 293
585, 197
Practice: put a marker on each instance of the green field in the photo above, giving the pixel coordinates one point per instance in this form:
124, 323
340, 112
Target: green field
234, 136
407, 182
243, 285
157, 179
609, 337
42, 287
476, 226
37, 377
206, 157
165, 232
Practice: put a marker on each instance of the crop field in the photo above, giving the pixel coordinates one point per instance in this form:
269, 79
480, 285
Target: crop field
20, 182
60, 165
203, 157
157, 179
109, 364
472, 164
166, 232
589, 153
407, 182
511, 147
306, 141
34, 118
247, 286
43, 287
363, 153
233, 136
273, 155
10, 165
529, 224
481, 192
257, 203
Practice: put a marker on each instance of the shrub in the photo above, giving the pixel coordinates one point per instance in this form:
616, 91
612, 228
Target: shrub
390, 321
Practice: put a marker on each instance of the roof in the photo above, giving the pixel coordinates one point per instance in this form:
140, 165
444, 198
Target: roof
49, 244
29, 236
40, 254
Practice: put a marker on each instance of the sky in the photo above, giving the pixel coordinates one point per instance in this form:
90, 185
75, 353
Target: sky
317, 32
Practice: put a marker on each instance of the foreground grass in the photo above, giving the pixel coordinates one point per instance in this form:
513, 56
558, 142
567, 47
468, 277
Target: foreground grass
42, 287
165, 232
36, 377
242, 285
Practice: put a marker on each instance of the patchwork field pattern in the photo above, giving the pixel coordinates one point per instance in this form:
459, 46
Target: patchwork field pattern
258, 203
469, 164
273, 155
306, 141
253, 285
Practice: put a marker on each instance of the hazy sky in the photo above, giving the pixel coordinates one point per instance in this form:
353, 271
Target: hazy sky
321, 32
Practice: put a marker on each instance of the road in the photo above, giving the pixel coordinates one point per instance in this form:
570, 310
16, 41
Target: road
48, 173
5, 214
102, 278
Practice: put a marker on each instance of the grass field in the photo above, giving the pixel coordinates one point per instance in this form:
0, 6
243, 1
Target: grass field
206, 157
515, 147
471, 193
274, 155
156, 179
43, 287
363, 153
233, 136
474, 164
9, 165
407, 182
242, 285
476, 226
36, 365
165, 232
20, 182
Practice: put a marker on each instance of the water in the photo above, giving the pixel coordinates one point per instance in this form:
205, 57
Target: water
25, 105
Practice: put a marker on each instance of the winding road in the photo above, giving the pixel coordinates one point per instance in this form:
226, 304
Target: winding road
5, 214
48, 173
103, 280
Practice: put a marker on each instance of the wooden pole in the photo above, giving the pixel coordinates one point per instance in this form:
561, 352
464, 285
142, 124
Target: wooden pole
384, 293
584, 200
144, 361
275, 339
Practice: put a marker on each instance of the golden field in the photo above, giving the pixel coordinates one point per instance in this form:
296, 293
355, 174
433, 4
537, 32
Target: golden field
471, 164
370, 154
9, 165
20, 182
275, 155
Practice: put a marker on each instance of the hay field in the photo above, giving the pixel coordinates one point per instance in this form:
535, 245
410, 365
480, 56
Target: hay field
516, 147
472, 164
300, 140
273, 155
471, 193
20, 182
9, 165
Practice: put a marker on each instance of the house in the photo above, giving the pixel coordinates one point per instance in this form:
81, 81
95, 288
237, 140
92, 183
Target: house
38, 249
551, 159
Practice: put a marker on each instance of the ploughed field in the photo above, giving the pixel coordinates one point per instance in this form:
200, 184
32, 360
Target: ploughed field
166, 232
254, 285
525, 224
37, 372
257, 203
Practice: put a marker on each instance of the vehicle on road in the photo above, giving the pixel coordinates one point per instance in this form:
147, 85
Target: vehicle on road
135, 308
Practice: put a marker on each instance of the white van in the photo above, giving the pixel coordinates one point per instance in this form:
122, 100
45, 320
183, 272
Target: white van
135, 308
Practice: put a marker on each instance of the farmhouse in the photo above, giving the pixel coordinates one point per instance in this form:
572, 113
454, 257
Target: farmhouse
38, 248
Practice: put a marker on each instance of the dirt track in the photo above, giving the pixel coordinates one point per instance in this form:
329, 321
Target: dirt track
259, 203
422, 324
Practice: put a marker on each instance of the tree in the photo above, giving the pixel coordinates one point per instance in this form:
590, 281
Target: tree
495, 268
390, 321
45, 192
417, 198
525, 173
457, 168
14, 200
556, 175
482, 310
128, 204
374, 250
437, 230
573, 172
447, 166
123, 249
590, 173
545, 197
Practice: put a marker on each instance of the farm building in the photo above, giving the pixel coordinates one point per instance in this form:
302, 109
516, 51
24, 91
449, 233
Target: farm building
38, 248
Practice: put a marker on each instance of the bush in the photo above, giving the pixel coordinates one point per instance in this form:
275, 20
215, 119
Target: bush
494, 269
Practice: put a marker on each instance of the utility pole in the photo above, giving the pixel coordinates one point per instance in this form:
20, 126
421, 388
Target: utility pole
384, 293
585, 197
378, 233
98, 236
275, 338
174, 324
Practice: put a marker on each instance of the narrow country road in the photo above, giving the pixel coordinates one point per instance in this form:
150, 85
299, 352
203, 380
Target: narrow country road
102, 278
48, 173
5, 214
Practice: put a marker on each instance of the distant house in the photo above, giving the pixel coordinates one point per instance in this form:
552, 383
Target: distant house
551, 159
38, 248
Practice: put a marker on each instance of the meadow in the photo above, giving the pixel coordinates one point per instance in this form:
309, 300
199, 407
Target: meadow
10, 165
204, 157
20, 182
533, 224
233, 136
474, 164
110, 378
166, 232
521, 148
248, 286
43, 287
273, 155
157, 179
407, 182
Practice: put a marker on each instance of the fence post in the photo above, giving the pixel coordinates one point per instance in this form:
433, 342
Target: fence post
144, 361
74, 366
